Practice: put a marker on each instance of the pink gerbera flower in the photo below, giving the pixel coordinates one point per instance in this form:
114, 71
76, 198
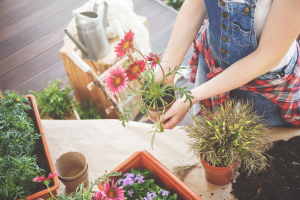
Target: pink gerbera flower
117, 80
125, 44
44, 179
153, 59
99, 196
112, 192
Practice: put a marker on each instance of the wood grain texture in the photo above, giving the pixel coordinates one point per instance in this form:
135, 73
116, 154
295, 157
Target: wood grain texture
17, 42
34, 18
21, 11
9, 5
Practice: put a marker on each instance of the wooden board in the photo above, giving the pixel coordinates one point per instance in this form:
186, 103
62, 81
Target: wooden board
79, 80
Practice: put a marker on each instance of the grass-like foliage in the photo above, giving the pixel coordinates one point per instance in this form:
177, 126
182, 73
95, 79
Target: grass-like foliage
18, 140
87, 110
54, 100
231, 133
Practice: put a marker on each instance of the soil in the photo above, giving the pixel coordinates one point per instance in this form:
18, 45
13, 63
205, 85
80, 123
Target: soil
280, 181
167, 98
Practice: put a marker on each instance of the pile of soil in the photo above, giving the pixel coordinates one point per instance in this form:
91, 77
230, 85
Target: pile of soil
280, 181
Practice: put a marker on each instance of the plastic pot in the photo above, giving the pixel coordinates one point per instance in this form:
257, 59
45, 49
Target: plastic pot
161, 175
72, 170
44, 194
218, 175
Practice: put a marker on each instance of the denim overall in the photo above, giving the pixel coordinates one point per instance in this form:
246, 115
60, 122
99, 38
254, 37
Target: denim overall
231, 36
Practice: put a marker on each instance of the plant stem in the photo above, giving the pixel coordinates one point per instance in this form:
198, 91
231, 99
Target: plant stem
164, 79
51, 193
149, 82
134, 90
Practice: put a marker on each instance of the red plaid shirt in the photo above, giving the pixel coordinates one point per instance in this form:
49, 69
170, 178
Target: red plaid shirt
284, 92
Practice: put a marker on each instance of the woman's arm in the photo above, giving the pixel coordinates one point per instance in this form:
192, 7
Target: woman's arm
279, 33
187, 25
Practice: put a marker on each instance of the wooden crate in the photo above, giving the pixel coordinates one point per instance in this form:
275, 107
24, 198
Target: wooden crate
79, 80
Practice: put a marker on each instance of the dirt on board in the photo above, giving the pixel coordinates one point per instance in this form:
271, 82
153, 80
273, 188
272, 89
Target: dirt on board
280, 181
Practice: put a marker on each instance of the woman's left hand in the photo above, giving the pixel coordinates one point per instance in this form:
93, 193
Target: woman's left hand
176, 113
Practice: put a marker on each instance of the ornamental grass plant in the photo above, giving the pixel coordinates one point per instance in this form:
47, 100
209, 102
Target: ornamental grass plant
153, 94
231, 133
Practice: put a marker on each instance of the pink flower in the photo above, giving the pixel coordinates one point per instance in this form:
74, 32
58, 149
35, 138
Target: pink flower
117, 80
112, 192
135, 68
153, 59
125, 44
99, 196
44, 179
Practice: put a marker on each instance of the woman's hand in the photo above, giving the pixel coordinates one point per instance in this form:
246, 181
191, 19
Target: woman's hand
176, 113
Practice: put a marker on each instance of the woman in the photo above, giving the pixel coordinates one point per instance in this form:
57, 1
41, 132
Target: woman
247, 50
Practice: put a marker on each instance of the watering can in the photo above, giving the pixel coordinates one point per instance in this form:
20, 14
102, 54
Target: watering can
92, 41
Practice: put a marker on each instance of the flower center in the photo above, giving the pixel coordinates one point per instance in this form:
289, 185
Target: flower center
135, 69
112, 193
126, 45
118, 80
155, 60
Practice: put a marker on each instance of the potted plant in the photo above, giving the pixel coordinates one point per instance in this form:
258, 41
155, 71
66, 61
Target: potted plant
81, 192
55, 102
226, 136
23, 149
155, 97
142, 162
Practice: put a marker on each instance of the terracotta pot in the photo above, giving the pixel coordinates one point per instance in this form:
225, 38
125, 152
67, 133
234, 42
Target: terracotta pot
44, 194
161, 175
218, 175
72, 170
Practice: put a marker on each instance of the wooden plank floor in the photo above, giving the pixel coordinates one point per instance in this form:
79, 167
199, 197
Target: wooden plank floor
31, 34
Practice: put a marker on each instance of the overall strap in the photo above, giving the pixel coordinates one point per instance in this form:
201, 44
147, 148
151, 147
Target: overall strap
252, 3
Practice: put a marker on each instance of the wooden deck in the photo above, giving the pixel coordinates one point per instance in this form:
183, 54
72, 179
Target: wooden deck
32, 32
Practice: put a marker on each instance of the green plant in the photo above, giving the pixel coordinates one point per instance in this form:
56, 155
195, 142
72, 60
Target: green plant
153, 94
54, 100
18, 140
82, 193
176, 4
88, 110
139, 186
231, 133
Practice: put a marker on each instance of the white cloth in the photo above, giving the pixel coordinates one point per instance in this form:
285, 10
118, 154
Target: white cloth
262, 10
123, 11
106, 144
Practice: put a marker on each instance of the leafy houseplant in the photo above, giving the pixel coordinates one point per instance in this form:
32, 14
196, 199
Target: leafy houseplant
18, 141
54, 100
137, 185
153, 95
230, 134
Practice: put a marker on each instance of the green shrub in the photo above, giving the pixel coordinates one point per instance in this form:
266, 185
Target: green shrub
54, 100
88, 110
18, 140
230, 134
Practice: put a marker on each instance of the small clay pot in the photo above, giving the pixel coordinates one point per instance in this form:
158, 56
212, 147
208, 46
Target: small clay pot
72, 170
218, 175
153, 114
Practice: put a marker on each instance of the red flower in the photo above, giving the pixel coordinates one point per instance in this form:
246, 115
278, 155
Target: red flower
125, 44
153, 59
135, 68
